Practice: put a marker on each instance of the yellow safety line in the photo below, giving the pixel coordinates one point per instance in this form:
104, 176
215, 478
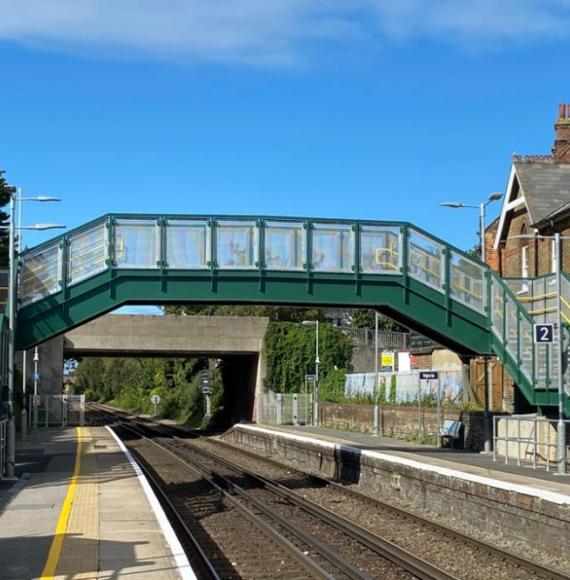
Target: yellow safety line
565, 317
564, 301
61, 527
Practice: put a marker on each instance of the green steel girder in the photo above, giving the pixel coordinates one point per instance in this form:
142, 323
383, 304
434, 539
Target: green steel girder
421, 307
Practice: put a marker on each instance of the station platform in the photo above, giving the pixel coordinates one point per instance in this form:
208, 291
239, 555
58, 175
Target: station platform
81, 509
523, 509
469, 462
463, 464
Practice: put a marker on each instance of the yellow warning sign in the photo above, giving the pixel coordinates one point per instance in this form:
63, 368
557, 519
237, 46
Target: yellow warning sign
387, 359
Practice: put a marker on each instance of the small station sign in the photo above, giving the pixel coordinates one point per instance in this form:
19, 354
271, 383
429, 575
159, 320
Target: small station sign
429, 375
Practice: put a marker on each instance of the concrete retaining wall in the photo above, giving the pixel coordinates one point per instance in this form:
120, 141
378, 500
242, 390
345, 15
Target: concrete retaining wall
471, 504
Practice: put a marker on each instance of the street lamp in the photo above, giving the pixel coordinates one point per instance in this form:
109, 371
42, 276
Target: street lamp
481, 207
315, 323
12, 297
561, 430
19, 198
376, 370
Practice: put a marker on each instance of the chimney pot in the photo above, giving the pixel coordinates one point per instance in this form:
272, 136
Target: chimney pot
562, 111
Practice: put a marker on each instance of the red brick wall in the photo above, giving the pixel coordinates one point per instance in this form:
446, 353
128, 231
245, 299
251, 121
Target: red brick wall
539, 251
401, 422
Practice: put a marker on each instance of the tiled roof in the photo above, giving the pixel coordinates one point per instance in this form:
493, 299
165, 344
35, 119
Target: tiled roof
545, 186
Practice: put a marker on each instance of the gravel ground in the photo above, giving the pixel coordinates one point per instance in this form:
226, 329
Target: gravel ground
236, 547
449, 553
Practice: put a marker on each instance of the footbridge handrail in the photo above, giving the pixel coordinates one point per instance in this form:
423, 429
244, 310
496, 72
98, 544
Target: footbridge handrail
394, 266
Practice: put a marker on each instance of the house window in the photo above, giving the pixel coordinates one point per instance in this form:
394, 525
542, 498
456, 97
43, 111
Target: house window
553, 257
524, 261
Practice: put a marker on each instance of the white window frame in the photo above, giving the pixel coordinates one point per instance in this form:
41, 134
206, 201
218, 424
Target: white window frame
554, 263
524, 262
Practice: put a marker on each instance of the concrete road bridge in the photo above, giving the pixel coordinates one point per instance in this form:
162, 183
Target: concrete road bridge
393, 267
238, 341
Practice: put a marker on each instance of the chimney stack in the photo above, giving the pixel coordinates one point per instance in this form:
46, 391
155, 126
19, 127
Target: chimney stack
561, 149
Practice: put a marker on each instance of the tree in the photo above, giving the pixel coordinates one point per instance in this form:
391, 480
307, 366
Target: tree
5, 193
365, 318
274, 313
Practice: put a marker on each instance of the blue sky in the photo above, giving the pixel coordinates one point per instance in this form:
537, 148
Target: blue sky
355, 108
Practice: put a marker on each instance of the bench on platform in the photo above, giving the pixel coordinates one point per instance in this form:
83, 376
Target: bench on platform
451, 430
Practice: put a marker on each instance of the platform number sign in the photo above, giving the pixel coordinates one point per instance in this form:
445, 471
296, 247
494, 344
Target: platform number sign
543, 333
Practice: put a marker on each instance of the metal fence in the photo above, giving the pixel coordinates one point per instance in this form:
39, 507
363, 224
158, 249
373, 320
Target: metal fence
3, 435
57, 410
284, 409
386, 338
526, 439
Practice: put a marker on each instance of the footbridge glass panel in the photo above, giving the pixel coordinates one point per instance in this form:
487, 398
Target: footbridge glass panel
333, 247
380, 250
236, 244
187, 244
425, 259
137, 244
88, 252
468, 282
285, 245
40, 273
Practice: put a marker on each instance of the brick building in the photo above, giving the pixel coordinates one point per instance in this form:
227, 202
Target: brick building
537, 202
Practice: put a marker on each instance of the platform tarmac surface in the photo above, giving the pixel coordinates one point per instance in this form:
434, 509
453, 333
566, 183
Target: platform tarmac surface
467, 462
78, 510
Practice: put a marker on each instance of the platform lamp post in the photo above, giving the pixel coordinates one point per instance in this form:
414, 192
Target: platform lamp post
376, 426
12, 297
561, 427
19, 199
482, 207
315, 323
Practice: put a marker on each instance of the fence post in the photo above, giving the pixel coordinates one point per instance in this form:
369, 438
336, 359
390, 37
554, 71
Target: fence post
47, 410
507, 440
519, 442
495, 437
295, 409
279, 409
535, 442
548, 447
419, 408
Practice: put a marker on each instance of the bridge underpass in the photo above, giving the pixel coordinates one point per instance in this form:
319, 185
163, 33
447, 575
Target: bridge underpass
394, 267
237, 342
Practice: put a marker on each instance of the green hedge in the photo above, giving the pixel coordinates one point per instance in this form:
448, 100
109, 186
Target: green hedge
289, 351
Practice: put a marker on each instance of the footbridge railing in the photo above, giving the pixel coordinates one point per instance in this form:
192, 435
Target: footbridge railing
396, 267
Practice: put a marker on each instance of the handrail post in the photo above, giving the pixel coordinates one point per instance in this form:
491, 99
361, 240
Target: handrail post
519, 442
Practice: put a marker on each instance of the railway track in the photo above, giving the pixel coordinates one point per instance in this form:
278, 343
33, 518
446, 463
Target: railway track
310, 526
322, 542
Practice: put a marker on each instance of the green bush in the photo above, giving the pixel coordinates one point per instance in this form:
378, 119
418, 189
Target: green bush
289, 351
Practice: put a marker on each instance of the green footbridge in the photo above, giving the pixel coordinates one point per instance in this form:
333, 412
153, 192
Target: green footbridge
395, 268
